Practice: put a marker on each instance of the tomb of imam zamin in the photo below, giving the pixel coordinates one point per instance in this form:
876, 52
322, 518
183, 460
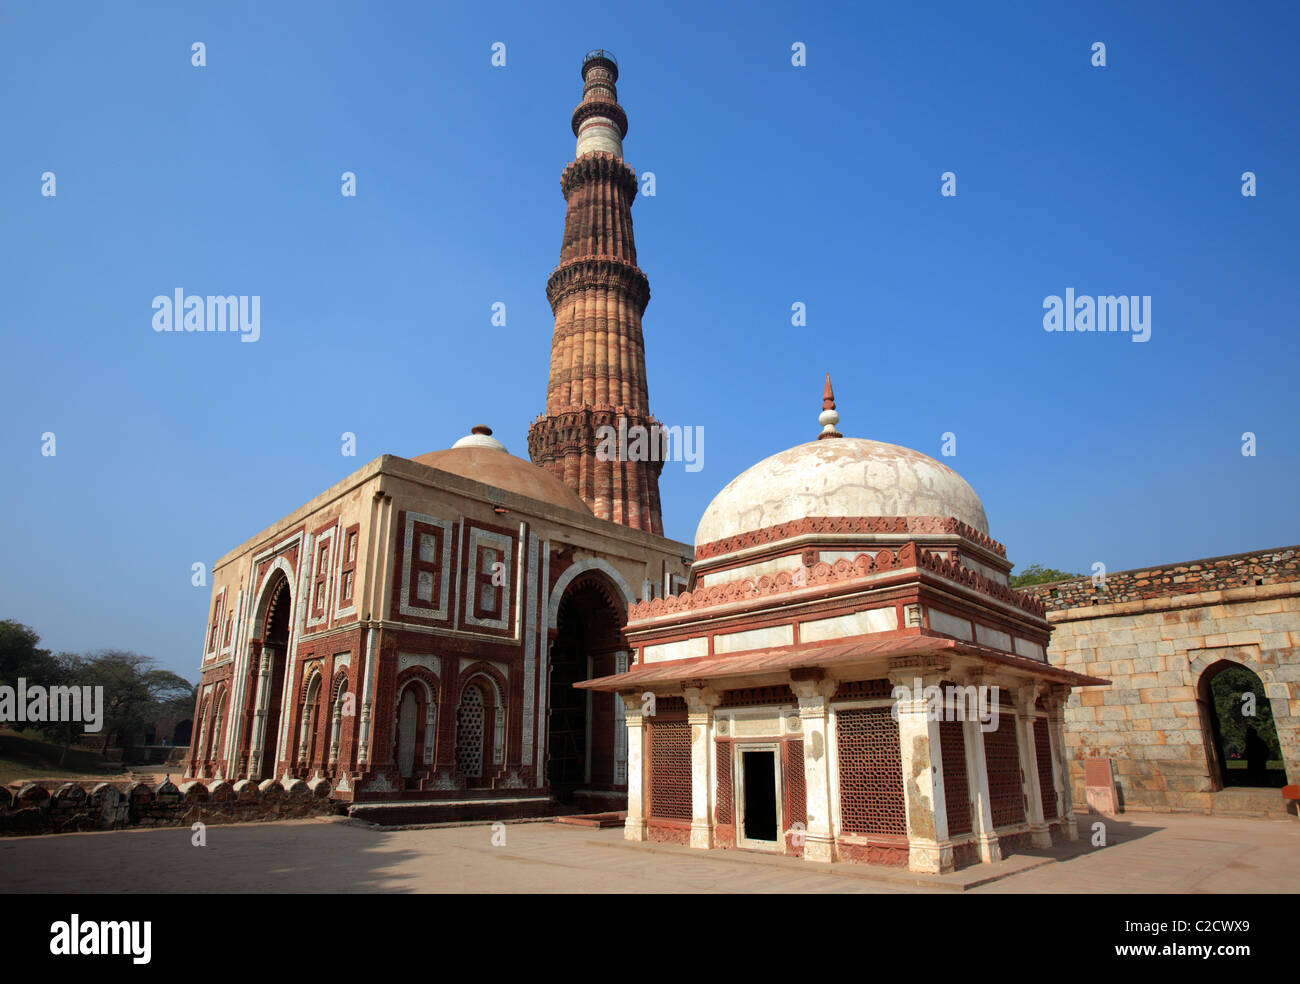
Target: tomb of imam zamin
837, 668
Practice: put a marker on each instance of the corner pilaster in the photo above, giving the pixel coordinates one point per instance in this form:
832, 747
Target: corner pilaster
700, 702
1025, 696
819, 838
1054, 702
929, 848
634, 828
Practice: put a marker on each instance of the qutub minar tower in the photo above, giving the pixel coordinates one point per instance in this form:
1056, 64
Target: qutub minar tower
598, 295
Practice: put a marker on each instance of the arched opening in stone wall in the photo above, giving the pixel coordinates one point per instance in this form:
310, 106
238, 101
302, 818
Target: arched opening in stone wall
181, 733
586, 741
212, 752
338, 704
310, 717
1242, 745
476, 717
408, 723
275, 641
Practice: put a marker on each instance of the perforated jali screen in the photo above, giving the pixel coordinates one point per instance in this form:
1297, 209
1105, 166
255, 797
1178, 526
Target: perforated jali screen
1002, 756
670, 770
860, 689
469, 732
723, 751
871, 772
796, 797
1043, 754
956, 787
755, 696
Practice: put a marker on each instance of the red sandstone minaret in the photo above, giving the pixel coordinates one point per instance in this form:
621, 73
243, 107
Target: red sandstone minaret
598, 295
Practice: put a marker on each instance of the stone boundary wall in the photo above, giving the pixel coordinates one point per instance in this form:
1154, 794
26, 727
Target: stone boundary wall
1209, 574
90, 805
1158, 635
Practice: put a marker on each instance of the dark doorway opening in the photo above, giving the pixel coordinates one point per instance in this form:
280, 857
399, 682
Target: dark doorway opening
760, 795
580, 733
1237, 719
276, 640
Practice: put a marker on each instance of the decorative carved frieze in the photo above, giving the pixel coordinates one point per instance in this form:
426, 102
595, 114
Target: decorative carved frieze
863, 565
867, 525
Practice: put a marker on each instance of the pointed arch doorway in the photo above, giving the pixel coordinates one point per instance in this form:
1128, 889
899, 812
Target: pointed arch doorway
1242, 745
275, 650
586, 764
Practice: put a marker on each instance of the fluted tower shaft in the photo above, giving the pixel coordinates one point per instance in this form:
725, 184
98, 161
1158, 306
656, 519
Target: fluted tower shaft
598, 295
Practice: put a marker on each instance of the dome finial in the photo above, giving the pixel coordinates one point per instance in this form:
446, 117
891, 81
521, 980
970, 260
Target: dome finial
480, 436
829, 417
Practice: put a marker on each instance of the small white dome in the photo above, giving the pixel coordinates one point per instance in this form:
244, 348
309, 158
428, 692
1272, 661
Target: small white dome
844, 476
480, 437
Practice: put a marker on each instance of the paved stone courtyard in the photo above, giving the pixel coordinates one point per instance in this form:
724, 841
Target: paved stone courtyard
1146, 853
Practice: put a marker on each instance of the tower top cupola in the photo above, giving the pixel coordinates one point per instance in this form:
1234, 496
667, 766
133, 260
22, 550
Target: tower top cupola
599, 122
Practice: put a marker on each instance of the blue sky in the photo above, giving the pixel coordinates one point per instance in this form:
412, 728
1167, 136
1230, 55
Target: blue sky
775, 184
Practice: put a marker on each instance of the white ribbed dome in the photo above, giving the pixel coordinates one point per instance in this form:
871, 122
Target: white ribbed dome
842, 476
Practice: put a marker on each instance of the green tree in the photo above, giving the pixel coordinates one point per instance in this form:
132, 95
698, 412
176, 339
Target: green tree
21, 656
134, 687
1227, 689
1037, 574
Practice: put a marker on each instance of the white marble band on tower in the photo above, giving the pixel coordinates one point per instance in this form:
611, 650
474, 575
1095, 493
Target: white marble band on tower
599, 133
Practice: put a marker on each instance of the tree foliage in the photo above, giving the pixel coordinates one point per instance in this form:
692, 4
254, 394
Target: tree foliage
135, 688
22, 656
1037, 574
1227, 688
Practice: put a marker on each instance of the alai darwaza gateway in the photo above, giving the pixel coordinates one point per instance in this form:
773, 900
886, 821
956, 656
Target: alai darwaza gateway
849, 676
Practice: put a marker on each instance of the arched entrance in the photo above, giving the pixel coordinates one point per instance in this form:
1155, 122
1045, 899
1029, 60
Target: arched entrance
408, 710
309, 739
586, 748
275, 649
1237, 720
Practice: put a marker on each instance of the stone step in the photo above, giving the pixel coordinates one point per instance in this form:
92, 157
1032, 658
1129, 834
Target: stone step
1249, 802
597, 820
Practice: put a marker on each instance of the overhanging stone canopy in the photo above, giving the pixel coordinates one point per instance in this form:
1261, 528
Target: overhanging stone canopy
772, 666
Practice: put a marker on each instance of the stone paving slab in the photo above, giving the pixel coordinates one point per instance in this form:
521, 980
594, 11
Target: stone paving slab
959, 881
1153, 853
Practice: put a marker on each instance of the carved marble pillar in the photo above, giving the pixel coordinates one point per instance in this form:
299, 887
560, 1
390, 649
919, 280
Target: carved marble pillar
700, 702
304, 731
1025, 696
370, 669
259, 714
634, 829
928, 846
1054, 702
336, 731
977, 771
430, 728
819, 838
